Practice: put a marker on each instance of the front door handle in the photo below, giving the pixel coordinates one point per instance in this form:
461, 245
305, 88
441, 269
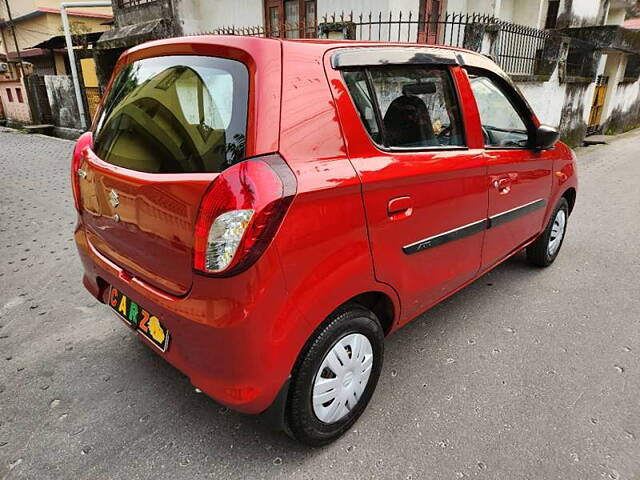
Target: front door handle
503, 185
400, 207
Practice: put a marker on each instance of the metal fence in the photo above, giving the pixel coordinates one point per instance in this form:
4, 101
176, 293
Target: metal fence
445, 29
442, 29
517, 48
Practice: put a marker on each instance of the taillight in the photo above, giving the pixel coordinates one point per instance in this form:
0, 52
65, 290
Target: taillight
85, 141
240, 213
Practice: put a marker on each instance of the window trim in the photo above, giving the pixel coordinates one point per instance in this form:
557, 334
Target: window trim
516, 101
378, 113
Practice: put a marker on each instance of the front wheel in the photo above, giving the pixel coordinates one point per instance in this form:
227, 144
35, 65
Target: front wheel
545, 249
335, 376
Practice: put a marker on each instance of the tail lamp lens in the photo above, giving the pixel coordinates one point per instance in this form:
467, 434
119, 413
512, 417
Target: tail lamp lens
224, 238
240, 213
85, 141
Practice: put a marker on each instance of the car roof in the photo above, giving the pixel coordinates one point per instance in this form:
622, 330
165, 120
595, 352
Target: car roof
464, 56
358, 52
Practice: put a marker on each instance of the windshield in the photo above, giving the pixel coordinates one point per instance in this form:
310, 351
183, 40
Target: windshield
175, 114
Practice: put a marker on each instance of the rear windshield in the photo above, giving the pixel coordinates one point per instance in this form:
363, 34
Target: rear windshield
175, 114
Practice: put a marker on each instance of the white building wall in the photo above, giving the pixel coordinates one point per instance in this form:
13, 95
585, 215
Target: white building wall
583, 12
527, 12
471, 6
588, 100
328, 7
616, 16
483, 6
202, 16
626, 97
546, 98
614, 69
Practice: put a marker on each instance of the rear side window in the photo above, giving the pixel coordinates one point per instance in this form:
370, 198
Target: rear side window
407, 107
175, 114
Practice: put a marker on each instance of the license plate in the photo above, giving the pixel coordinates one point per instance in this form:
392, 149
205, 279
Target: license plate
147, 324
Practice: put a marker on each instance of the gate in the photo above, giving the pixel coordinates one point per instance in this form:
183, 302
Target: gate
92, 95
597, 105
38, 99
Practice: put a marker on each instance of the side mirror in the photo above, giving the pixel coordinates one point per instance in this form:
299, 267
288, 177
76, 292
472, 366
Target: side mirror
545, 137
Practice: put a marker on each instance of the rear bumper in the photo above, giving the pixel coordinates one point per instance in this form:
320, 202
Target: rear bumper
233, 337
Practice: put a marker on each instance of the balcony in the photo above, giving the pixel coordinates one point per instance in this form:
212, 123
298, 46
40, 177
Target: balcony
607, 37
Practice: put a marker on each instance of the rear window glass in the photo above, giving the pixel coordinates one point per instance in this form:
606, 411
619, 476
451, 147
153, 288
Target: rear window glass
175, 114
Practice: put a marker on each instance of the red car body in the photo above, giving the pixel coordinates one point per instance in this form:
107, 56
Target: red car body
355, 207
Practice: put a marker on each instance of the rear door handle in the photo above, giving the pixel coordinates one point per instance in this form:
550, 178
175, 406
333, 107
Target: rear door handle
400, 207
503, 185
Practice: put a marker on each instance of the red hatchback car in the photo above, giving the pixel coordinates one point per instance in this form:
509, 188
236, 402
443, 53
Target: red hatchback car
264, 212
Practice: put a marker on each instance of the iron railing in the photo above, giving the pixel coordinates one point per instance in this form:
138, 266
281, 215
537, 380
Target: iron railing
133, 3
517, 48
443, 29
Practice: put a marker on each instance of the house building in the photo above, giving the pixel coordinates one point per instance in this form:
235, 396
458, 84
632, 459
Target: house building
14, 106
35, 23
573, 60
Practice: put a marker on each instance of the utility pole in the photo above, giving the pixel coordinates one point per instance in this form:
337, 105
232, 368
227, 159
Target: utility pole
15, 40
72, 57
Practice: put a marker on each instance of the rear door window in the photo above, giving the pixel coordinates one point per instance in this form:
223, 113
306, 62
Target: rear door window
175, 114
407, 107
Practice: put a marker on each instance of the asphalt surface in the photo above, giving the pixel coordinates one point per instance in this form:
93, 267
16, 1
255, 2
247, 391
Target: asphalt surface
526, 374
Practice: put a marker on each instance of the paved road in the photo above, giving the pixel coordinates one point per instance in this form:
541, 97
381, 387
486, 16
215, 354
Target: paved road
526, 374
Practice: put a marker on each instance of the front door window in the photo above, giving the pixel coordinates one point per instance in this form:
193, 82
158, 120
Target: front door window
502, 125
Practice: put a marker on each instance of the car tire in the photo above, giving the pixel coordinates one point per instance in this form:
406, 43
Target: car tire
335, 376
545, 249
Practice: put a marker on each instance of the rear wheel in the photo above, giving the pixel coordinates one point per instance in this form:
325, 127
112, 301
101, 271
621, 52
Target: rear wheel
545, 249
335, 376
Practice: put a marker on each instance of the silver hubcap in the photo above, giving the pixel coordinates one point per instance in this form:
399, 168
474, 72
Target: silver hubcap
342, 378
557, 232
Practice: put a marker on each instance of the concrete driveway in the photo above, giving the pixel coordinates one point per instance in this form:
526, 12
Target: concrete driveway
526, 374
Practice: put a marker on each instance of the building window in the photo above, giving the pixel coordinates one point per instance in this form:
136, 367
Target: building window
430, 26
9, 95
552, 14
290, 18
19, 95
632, 70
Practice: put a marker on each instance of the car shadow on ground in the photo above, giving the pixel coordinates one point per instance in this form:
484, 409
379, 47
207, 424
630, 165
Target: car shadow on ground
201, 416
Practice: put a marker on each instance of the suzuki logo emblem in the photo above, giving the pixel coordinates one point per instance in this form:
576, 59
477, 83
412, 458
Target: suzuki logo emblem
114, 200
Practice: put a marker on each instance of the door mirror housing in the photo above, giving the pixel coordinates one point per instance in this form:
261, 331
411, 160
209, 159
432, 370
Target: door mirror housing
545, 137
